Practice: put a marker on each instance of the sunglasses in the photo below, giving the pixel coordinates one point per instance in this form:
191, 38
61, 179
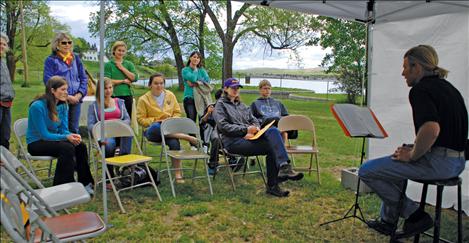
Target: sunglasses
66, 42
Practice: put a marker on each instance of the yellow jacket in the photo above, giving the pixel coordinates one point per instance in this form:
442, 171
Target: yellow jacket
149, 112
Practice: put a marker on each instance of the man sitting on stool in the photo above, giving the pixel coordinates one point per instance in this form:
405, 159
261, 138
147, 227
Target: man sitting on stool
441, 126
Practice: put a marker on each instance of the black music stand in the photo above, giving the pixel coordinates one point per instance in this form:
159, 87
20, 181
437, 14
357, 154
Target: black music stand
348, 115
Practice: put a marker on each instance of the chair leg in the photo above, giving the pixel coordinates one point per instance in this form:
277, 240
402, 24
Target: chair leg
261, 170
50, 168
436, 225
171, 182
193, 170
116, 193
208, 177
423, 199
317, 168
153, 183
459, 213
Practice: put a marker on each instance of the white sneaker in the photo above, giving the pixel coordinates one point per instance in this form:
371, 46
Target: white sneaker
193, 148
89, 189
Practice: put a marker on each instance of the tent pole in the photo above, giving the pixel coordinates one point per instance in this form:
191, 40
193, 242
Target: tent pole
101, 106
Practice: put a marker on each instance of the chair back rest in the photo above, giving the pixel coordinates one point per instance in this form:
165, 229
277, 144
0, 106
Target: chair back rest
114, 129
19, 129
8, 158
179, 125
297, 122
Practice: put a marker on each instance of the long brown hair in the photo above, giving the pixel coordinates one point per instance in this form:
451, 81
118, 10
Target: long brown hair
54, 82
98, 88
427, 57
201, 63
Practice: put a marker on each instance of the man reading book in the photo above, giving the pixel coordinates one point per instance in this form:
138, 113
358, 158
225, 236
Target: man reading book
441, 127
237, 126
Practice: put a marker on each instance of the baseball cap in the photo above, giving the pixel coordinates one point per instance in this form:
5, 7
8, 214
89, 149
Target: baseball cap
232, 83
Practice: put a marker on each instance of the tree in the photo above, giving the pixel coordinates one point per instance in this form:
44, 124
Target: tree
39, 26
347, 41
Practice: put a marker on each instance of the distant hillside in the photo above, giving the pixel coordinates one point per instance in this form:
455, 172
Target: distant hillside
143, 71
277, 72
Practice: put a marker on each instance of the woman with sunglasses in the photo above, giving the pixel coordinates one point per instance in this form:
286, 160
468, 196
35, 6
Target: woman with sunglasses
63, 62
122, 73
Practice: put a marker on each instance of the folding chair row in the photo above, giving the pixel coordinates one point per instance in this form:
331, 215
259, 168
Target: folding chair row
26, 217
58, 197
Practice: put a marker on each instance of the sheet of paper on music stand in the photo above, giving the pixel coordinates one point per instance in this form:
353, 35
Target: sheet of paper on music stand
358, 121
262, 131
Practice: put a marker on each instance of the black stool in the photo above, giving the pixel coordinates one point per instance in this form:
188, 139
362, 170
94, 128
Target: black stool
440, 184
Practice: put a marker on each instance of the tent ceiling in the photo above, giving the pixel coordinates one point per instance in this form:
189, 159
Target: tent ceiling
385, 11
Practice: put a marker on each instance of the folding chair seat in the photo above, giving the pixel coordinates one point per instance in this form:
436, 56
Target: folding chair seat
186, 126
301, 123
117, 128
23, 224
58, 197
19, 129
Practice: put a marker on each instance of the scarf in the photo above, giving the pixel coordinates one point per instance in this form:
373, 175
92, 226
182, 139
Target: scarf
67, 58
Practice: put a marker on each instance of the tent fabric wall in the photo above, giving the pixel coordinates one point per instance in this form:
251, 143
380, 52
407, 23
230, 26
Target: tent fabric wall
449, 35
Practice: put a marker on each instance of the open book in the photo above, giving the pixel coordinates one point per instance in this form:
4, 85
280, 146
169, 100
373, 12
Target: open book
358, 121
262, 131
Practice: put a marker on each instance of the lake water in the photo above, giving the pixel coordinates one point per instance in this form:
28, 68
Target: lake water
318, 86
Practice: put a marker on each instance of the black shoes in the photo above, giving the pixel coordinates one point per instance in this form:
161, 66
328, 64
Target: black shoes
286, 172
416, 226
381, 226
277, 191
236, 164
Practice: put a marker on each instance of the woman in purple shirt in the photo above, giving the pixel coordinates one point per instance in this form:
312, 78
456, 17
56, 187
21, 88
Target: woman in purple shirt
63, 62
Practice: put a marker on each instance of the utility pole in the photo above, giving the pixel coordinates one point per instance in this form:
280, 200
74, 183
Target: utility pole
23, 47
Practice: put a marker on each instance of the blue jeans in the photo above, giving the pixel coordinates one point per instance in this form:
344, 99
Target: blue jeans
386, 177
5, 126
73, 117
270, 144
153, 133
125, 146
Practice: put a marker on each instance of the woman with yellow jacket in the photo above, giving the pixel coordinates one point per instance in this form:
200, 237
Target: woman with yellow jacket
155, 106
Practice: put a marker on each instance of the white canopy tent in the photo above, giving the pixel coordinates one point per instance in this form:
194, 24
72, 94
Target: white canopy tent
394, 27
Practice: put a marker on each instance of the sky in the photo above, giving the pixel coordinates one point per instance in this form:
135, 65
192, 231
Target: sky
76, 15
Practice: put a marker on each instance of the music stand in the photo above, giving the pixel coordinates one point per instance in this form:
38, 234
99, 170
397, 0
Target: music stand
357, 122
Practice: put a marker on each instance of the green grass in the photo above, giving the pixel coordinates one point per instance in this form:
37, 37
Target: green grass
247, 214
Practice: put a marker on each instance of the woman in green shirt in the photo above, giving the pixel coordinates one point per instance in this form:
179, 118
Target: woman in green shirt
192, 74
122, 73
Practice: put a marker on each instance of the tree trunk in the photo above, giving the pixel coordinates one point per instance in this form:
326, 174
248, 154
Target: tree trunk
227, 60
23, 48
12, 19
202, 34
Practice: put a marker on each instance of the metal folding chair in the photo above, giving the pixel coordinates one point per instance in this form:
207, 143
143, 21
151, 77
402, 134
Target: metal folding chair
187, 126
117, 128
301, 123
19, 129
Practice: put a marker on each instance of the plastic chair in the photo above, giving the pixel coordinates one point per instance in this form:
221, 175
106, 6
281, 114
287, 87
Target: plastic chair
187, 126
23, 224
58, 197
116, 128
19, 129
301, 123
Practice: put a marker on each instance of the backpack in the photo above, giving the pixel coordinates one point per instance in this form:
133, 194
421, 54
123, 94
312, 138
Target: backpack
140, 175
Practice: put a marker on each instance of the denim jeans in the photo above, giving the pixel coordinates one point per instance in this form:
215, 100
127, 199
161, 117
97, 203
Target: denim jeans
270, 144
125, 146
387, 176
153, 133
189, 108
74, 117
5, 126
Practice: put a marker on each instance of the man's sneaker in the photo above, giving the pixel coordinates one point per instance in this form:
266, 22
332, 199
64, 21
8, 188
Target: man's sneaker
418, 226
381, 226
286, 172
212, 171
277, 191
89, 189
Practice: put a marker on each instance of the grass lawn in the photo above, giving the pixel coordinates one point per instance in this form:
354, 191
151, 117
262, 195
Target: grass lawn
248, 214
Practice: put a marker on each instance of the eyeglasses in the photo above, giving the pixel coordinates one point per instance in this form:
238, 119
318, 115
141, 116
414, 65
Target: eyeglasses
66, 42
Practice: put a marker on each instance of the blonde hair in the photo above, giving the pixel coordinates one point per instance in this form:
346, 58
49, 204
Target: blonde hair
263, 83
57, 39
107, 81
427, 57
116, 45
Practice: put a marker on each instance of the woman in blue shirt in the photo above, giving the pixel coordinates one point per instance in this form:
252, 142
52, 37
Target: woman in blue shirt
192, 74
48, 135
63, 62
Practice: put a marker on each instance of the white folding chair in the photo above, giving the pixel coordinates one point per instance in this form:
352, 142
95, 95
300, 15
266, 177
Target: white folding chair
144, 141
58, 197
186, 126
19, 129
117, 128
